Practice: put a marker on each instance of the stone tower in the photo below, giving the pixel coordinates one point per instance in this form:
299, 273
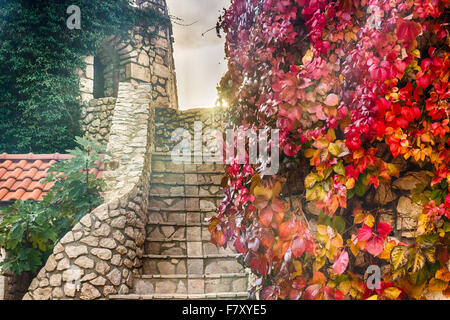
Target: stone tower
139, 61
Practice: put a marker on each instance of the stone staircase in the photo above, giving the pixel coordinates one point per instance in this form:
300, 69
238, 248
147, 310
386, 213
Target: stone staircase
180, 262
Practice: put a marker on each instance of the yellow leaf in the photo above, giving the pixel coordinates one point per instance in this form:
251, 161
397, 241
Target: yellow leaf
397, 274
307, 58
321, 143
418, 262
334, 149
322, 229
276, 189
416, 53
311, 180
374, 297
359, 218
261, 191
437, 285
369, 220
344, 287
358, 154
309, 153
391, 293
350, 183
332, 134
399, 256
353, 248
298, 269
430, 254
386, 254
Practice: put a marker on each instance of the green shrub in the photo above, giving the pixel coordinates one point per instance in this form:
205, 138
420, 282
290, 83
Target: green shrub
29, 230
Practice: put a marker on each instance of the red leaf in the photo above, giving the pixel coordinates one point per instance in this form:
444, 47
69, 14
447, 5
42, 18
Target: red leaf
298, 247
291, 149
341, 263
375, 245
384, 229
299, 283
312, 291
265, 216
338, 295
270, 293
364, 233
267, 239
260, 264
240, 245
277, 205
408, 30
295, 294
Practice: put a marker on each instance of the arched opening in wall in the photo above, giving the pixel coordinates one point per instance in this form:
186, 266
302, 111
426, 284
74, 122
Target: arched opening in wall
99, 78
106, 72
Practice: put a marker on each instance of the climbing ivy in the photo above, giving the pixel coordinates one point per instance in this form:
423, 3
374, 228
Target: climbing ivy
39, 56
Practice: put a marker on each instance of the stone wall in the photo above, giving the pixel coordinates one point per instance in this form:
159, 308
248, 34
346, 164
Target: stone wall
103, 251
96, 118
170, 120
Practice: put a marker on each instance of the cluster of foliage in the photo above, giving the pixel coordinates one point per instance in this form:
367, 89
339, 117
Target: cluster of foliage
39, 56
339, 79
29, 230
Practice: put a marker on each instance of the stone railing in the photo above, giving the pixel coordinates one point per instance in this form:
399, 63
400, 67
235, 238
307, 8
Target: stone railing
96, 118
103, 251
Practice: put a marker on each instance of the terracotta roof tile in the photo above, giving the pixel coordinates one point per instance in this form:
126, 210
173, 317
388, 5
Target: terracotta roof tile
2, 171
3, 192
21, 175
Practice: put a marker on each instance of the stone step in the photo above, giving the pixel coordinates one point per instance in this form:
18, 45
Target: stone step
190, 231
191, 264
190, 284
185, 256
179, 224
195, 196
182, 247
193, 190
180, 217
185, 204
182, 179
205, 296
167, 165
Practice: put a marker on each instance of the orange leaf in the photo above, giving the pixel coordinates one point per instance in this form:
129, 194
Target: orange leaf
443, 274
318, 278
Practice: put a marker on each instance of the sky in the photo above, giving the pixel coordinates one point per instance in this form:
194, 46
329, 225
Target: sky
199, 60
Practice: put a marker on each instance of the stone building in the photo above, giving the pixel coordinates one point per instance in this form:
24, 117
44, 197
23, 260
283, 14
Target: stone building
149, 239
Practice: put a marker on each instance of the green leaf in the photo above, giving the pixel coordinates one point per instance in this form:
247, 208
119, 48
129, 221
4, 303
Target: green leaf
339, 224
339, 168
311, 179
360, 189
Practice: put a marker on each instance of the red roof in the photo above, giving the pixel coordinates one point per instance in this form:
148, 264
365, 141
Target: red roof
21, 174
